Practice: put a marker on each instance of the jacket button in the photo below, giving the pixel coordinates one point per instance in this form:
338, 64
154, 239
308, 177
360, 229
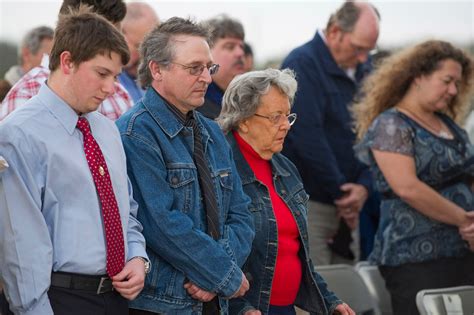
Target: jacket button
174, 180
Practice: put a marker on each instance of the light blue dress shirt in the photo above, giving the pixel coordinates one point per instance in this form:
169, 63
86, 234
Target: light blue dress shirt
50, 216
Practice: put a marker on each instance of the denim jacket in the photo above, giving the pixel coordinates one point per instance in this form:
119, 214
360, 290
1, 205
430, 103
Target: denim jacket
166, 187
313, 295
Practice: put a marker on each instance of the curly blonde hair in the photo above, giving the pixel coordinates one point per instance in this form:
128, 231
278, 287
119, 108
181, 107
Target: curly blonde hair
387, 85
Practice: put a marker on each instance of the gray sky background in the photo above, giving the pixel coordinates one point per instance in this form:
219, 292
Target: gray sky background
273, 28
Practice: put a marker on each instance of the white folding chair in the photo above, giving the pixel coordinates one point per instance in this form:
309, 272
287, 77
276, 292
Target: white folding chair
349, 286
446, 301
376, 285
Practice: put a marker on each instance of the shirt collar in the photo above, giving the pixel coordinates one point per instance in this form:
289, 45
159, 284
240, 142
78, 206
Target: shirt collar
182, 118
350, 72
322, 52
59, 108
323, 36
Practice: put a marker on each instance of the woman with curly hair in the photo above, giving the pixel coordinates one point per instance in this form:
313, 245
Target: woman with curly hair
423, 166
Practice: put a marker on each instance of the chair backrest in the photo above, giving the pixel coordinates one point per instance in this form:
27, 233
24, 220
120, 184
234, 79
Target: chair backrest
446, 301
376, 285
348, 285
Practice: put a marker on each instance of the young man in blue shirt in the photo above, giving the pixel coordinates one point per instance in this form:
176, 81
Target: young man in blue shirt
70, 241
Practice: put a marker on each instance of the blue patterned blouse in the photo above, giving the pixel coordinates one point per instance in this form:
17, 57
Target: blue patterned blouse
404, 234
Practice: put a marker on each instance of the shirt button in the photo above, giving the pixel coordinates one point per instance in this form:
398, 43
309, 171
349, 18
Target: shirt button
174, 180
298, 213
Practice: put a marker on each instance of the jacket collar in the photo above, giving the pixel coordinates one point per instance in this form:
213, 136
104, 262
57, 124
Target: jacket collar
321, 52
166, 119
246, 174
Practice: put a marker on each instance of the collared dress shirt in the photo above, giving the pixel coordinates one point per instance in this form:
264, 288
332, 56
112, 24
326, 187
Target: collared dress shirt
50, 215
29, 85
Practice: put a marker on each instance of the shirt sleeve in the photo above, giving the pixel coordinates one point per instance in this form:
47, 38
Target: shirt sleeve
135, 239
25, 245
390, 133
15, 98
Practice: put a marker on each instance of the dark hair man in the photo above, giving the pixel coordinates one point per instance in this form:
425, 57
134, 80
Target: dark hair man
70, 241
227, 49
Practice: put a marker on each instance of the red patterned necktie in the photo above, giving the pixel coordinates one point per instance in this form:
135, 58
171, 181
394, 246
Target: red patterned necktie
110, 211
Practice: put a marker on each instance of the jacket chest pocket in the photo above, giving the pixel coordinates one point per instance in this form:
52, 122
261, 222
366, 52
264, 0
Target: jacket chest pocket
182, 180
300, 200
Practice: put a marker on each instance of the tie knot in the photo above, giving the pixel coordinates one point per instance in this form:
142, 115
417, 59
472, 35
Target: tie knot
83, 125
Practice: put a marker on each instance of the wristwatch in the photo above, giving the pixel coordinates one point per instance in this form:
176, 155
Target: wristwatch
146, 262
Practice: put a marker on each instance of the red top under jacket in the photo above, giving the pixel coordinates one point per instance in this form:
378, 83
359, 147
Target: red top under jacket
287, 276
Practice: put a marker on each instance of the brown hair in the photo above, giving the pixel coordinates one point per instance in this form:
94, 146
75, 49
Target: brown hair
387, 86
86, 34
223, 26
113, 10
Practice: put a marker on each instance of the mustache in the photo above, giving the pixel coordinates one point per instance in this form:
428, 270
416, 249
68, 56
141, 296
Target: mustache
239, 62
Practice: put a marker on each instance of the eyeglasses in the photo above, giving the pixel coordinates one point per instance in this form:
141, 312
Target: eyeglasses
197, 70
279, 119
358, 50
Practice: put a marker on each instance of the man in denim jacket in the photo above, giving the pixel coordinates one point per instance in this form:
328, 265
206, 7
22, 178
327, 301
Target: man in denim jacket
160, 136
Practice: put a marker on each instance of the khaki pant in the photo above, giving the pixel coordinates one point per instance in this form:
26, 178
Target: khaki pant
322, 225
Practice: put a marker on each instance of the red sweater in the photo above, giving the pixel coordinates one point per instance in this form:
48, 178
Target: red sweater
287, 276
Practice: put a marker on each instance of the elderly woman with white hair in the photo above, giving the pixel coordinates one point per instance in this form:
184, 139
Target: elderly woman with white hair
256, 118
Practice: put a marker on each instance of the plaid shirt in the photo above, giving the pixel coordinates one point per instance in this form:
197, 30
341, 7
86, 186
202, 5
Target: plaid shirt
28, 86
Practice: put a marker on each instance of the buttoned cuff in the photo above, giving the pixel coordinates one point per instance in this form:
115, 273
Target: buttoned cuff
231, 284
136, 249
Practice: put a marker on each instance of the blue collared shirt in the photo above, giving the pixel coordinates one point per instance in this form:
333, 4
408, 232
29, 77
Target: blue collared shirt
130, 84
50, 216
